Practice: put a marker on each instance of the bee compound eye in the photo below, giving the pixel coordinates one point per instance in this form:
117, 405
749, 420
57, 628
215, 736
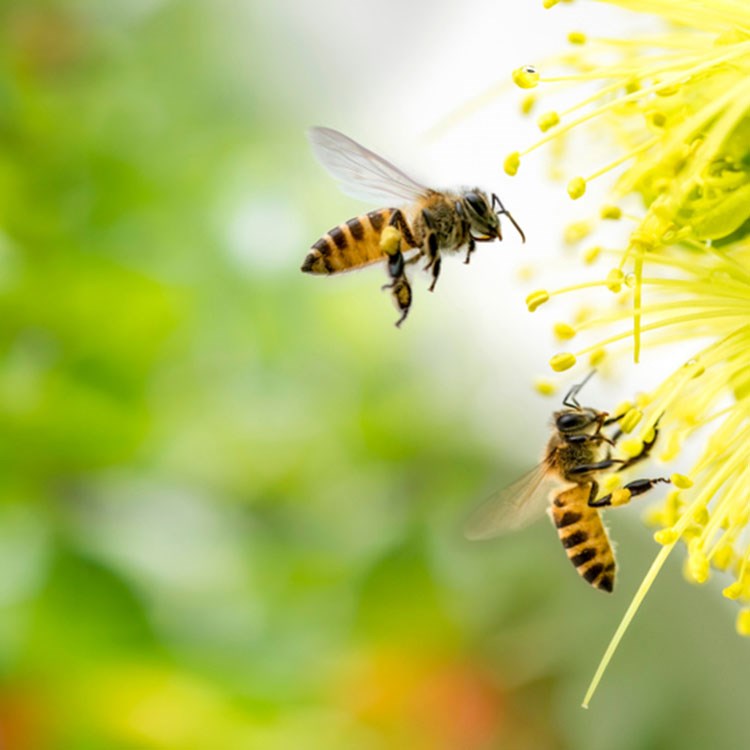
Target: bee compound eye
570, 422
476, 203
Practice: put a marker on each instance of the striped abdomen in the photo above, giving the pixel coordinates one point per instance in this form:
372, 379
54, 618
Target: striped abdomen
584, 537
348, 246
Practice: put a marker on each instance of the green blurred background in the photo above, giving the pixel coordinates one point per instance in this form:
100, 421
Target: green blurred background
231, 495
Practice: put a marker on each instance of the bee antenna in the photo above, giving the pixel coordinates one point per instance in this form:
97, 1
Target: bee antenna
504, 211
570, 400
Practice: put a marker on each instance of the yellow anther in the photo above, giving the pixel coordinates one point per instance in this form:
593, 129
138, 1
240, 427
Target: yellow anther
611, 212
597, 357
743, 622
623, 408
642, 400
576, 231
656, 119
390, 240
631, 419
537, 298
733, 591
564, 331
701, 516
649, 435
590, 255
547, 121
550, 3
576, 188
723, 557
577, 37
668, 90
512, 163
614, 280
582, 314
681, 481
666, 536
545, 386
563, 361
526, 77
698, 568
632, 447
527, 104
526, 272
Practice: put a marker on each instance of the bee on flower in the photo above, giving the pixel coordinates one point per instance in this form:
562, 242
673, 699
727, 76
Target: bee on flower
674, 108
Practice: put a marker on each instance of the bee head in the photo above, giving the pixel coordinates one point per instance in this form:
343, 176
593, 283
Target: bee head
483, 221
572, 421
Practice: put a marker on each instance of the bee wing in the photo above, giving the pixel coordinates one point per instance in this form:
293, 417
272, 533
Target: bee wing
512, 507
360, 172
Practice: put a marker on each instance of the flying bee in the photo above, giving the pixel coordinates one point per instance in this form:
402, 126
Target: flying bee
577, 451
428, 223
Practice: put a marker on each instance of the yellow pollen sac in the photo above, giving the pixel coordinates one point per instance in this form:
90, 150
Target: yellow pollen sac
562, 362
697, 367
668, 90
512, 163
666, 536
550, 3
547, 121
656, 120
632, 447
536, 299
526, 77
390, 240
622, 408
698, 568
527, 104
642, 400
590, 255
576, 188
545, 386
576, 231
743, 622
733, 591
611, 482
621, 496
701, 516
563, 331
681, 481
577, 37
614, 280
631, 419
611, 212
582, 314
723, 557
597, 357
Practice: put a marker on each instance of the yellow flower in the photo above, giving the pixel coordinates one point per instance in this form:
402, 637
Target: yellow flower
676, 106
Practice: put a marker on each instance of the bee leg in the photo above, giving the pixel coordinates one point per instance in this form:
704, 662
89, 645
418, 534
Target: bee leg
399, 221
607, 463
470, 249
646, 450
399, 286
401, 294
435, 273
580, 439
634, 488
